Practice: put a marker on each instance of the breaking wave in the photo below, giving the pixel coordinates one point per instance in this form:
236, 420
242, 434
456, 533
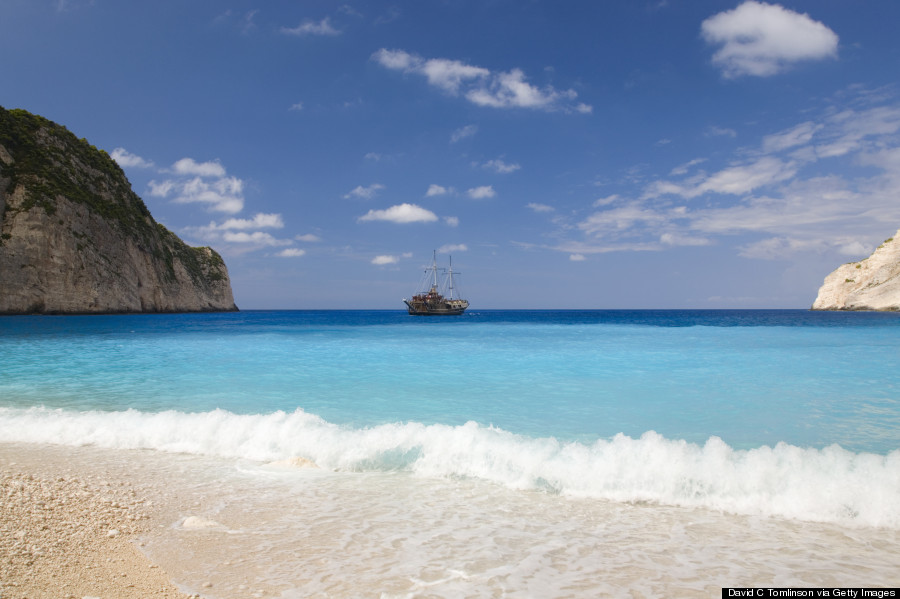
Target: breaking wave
822, 485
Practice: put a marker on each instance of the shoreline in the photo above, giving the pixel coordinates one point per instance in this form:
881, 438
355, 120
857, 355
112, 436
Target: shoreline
73, 534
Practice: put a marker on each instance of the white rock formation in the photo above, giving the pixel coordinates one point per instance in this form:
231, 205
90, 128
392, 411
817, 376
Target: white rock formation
870, 284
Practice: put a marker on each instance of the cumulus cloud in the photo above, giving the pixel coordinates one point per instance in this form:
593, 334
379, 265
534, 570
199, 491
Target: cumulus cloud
762, 39
188, 166
540, 207
259, 221
366, 193
401, 213
452, 221
384, 260
436, 190
501, 167
481, 193
479, 85
126, 159
201, 182
308, 27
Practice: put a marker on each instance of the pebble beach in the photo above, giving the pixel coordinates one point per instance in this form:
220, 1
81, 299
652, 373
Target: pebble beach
72, 533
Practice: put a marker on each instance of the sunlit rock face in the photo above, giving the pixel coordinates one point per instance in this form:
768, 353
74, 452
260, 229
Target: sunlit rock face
870, 284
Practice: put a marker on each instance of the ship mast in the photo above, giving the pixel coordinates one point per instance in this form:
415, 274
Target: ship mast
450, 276
434, 267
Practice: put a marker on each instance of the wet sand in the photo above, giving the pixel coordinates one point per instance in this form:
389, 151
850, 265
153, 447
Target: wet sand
73, 534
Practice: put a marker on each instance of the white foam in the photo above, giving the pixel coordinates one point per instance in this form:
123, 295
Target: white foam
824, 485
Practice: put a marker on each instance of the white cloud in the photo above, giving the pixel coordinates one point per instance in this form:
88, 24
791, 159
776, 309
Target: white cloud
384, 260
447, 249
161, 189
832, 193
435, 190
675, 239
463, 132
796, 136
297, 106
620, 218
221, 195
308, 27
126, 159
452, 221
209, 185
366, 193
540, 207
606, 201
510, 90
450, 75
577, 257
401, 213
308, 237
764, 39
291, 253
257, 238
396, 59
501, 167
259, 221
683, 169
483, 192
188, 166
735, 180
480, 85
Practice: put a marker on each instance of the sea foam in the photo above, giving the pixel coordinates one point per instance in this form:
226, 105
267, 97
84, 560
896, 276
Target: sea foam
824, 485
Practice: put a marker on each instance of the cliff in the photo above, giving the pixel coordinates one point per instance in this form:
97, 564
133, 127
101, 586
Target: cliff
75, 238
870, 284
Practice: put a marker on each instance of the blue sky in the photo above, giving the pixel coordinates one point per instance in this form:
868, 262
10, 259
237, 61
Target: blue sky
616, 154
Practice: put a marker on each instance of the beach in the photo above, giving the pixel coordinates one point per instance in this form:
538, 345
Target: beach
68, 532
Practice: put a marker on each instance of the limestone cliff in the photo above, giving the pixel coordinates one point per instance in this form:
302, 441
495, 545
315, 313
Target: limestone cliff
870, 284
75, 238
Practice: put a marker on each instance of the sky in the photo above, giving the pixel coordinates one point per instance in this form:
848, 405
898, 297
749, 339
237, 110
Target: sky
567, 154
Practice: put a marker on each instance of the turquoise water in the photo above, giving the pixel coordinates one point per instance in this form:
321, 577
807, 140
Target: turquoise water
750, 378
604, 404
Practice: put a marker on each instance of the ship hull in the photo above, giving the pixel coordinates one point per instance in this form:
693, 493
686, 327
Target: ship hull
431, 309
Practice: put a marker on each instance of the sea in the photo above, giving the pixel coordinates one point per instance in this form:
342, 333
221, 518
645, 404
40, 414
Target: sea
608, 453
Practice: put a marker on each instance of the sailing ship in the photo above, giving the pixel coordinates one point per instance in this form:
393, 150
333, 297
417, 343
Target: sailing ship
431, 301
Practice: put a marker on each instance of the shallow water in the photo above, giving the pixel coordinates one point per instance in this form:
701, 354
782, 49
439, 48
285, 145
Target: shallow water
251, 529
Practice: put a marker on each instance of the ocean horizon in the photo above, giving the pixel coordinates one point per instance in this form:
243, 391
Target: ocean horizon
519, 450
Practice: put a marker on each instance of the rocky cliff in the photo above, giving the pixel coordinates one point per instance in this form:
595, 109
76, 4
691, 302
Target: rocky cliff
870, 284
75, 238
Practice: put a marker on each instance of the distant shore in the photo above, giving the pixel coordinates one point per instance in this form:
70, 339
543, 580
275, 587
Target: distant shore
72, 534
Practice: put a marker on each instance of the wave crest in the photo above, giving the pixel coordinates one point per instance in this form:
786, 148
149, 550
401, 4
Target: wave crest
824, 485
